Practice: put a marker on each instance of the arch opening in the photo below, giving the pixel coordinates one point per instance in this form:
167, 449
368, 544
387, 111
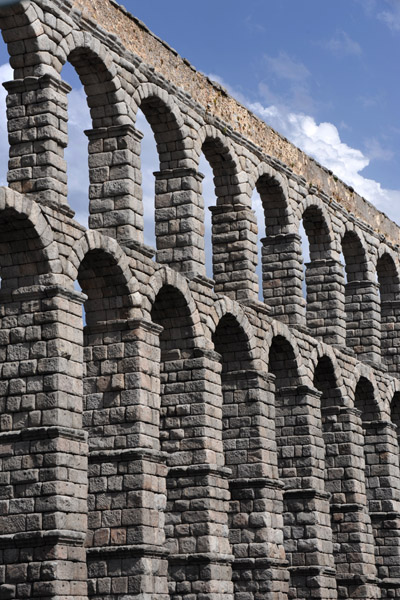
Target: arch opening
283, 364
6, 74
275, 206
395, 411
364, 400
281, 254
76, 151
208, 195
361, 301
166, 130
101, 279
325, 382
218, 190
162, 155
150, 164
170, 310
354, 257
257, 205
23, 258
389, 294
230, 341
111, 399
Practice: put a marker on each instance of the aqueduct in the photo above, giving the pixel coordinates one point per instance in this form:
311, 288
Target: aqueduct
188, 441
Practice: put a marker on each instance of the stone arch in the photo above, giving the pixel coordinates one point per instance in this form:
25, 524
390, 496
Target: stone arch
166, 121
366, 395
232, 343
395, 410
324, 281
273, 188
283, 363
94, 241
234, 224
392, 391
355, 251
318, 227
387, 271
221, 155
247, 435
168, 277
281, 331
225, 306
324, 352
190, 423
282, 272
363, 332
28, 252
179, 233
108, 102
27, 16
385, 249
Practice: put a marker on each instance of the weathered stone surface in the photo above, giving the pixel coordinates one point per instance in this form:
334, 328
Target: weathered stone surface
186, 440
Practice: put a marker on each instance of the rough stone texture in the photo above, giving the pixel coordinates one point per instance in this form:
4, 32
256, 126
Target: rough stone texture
188, 441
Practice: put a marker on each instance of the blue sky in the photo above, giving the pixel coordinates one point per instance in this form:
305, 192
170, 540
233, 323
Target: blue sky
335, 61
325, 74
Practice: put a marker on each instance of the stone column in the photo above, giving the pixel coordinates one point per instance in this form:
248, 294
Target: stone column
43, 449
179, 217
283, 276
127, 556
234, 243
390, 332
351, 523
200, 560
115, 192
255, 520
127, 471
38, 133
383, 491
363, 320
325, 300
306, 511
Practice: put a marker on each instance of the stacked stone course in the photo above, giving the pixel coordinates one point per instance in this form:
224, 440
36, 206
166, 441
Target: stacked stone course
188, 441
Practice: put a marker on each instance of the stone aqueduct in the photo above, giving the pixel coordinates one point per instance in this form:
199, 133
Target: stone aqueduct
190, 441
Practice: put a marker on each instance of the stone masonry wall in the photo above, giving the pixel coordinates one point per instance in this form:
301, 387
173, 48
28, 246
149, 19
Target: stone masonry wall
185, 439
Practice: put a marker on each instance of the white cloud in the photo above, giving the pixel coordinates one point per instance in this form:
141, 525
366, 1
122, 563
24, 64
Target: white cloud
296, 75
343, 45
375, 150
253, 26
285, 67
391, 16
322, 142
